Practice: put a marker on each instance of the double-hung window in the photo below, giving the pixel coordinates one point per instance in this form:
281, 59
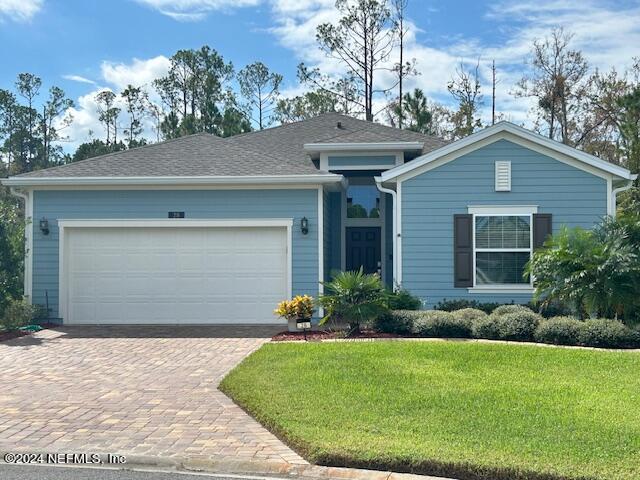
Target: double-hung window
502, 247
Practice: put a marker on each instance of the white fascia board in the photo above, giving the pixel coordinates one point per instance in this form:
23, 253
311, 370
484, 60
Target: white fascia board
359, 147
587, 159
319, 179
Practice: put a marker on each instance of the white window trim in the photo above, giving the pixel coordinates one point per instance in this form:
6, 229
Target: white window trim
64, 225
502, 211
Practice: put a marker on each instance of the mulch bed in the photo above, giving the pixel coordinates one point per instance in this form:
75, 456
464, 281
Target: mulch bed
328, 335
4, 336
10, 335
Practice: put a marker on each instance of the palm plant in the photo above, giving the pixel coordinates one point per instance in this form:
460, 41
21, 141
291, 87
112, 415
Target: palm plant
353, 297
597, 271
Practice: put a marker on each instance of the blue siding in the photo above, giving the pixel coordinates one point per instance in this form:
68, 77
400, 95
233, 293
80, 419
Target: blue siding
429, 201
359, 161
203, 204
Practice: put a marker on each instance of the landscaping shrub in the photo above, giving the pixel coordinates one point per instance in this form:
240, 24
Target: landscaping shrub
356, 298
515, 324
595, 271
17, 313
551, 309
518, 325
506, 309
607, 333
403, 300
459, 304
486, 328
438, 323
469, 314
396, 321
559, 331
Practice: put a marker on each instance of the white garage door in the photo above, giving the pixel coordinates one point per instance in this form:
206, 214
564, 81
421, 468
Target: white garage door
175, 275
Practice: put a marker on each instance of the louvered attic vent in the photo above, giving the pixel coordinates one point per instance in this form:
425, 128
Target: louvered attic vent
503, 176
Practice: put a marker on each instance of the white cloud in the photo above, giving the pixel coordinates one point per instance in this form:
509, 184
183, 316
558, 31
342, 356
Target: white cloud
116, 76
194, 10
138, 73
78, 78
19, 10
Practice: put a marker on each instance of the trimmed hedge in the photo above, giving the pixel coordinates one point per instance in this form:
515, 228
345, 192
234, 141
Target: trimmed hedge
559, 331
396, 321
437, 323
514, 323
460, 303
602, 332
506, 309
469, 314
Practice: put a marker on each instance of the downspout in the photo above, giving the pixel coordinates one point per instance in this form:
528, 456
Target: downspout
394, 202
616, 191
27, 238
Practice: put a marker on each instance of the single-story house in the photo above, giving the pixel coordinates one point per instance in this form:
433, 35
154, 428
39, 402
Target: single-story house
205, 230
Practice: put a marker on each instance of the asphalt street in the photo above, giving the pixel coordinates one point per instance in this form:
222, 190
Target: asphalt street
28, 472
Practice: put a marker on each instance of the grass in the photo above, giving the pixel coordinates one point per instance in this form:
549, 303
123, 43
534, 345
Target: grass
474, 411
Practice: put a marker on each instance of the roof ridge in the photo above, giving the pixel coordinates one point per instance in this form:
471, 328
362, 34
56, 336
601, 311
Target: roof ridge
119, 152
290, 124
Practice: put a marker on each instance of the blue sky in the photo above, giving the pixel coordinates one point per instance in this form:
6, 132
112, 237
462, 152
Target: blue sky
83, 46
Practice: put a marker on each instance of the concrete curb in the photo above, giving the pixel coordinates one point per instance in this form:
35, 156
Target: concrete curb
230, 465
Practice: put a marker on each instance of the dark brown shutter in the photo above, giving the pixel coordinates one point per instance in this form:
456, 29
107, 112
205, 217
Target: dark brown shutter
463, 250
542, 228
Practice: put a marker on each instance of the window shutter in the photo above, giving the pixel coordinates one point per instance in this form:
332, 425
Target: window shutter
503, 176
542, 228
463, 250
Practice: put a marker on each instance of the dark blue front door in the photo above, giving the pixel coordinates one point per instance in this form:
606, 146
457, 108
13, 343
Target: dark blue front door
363, 249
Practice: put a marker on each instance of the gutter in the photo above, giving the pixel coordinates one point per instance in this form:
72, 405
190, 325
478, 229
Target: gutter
616, 191
396, 229
28, 213
319, 179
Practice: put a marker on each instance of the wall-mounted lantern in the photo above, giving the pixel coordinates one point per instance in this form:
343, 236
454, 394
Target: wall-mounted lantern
304, 225
44, 226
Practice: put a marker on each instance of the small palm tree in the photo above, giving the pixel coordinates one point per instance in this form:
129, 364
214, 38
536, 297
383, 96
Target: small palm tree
353, 297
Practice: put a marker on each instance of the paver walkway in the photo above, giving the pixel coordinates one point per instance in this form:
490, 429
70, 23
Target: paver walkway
142, 390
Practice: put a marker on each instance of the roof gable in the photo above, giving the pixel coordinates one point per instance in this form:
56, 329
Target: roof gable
513, 133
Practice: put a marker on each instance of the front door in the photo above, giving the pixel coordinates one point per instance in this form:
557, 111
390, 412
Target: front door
363, 249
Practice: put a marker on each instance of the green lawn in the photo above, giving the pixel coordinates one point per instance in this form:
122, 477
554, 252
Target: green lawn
476, 411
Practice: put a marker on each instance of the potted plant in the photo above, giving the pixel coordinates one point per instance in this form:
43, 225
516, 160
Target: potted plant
300, 309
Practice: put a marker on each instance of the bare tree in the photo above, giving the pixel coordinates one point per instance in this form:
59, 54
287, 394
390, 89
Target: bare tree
464, 87
403, 69
556, 82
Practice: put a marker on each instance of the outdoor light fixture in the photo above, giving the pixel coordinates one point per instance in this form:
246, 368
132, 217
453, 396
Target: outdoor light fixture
303, 324
304, 225
44, 226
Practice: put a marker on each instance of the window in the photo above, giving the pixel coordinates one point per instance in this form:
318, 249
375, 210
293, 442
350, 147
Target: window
502, 247
363, 201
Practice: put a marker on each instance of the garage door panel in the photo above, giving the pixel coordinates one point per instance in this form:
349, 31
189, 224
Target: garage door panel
175, 275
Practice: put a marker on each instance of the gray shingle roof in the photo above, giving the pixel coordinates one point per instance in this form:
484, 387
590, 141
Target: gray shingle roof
274, 151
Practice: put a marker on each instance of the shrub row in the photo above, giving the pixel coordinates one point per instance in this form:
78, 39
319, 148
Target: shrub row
547, 310
509, 322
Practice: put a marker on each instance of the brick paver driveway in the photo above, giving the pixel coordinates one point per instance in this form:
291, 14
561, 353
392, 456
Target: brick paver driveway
137, 390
